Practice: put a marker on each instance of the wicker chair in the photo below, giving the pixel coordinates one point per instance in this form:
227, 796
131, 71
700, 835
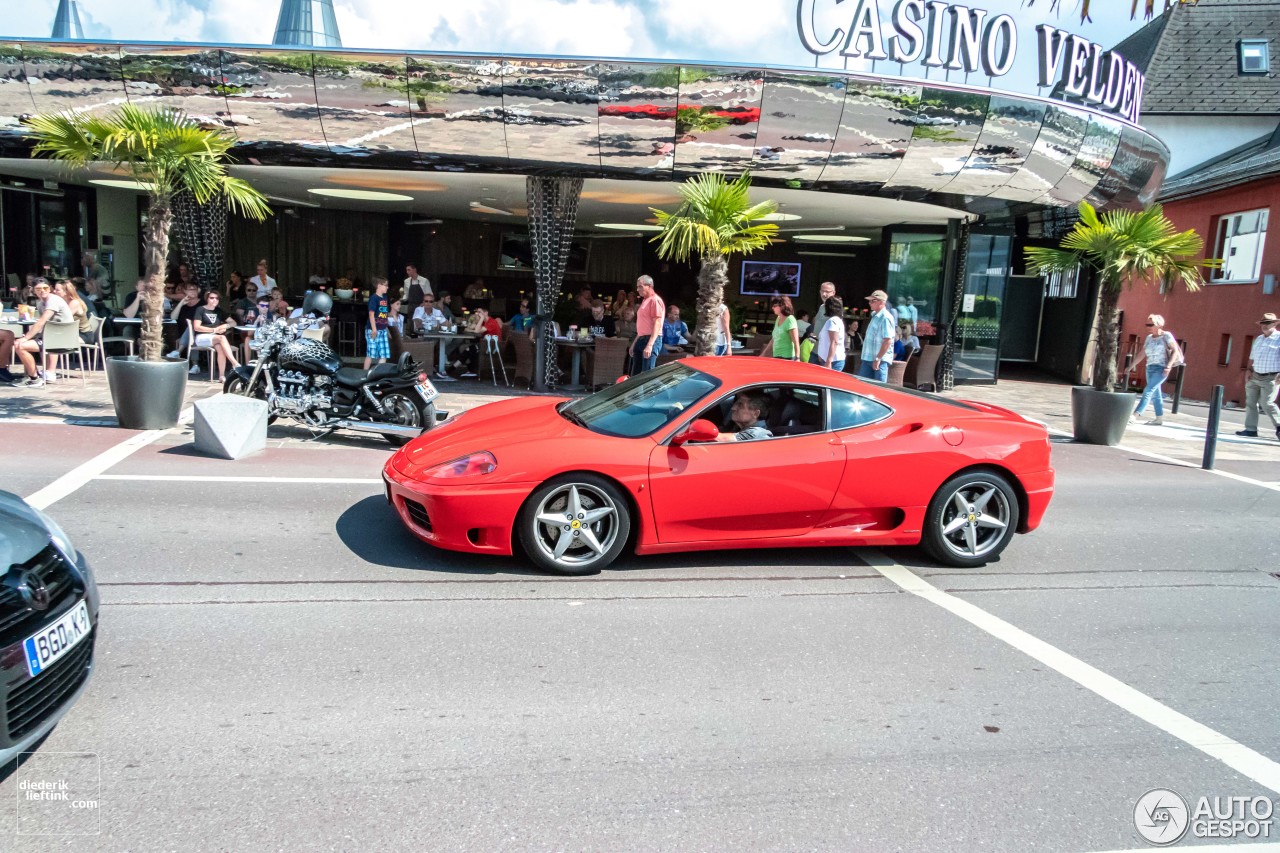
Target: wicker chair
422, 352
610, 361
524, 348
898, 371
926, 368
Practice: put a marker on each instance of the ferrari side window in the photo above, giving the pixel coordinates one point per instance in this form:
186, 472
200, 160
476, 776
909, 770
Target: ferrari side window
852, 410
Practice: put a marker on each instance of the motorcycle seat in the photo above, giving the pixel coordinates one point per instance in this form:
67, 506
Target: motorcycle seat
353, 377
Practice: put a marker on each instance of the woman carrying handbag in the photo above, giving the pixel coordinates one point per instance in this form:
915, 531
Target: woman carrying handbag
1163, 354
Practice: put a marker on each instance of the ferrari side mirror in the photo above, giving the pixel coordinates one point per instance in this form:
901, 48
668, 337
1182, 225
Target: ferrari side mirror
699, 430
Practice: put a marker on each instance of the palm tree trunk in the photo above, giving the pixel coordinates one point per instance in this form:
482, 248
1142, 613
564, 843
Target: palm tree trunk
712, 278
155, 252
1104, 362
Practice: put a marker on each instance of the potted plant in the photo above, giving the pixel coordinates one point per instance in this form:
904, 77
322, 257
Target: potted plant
167, 153
1121, 247
716, 219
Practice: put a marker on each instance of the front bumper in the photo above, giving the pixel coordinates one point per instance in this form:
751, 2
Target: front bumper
471, 518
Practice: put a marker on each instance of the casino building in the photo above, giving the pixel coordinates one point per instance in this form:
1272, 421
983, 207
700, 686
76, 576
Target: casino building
471, 165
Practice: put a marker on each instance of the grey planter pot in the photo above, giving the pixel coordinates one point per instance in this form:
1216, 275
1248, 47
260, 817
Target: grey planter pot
1100, 417
147, 394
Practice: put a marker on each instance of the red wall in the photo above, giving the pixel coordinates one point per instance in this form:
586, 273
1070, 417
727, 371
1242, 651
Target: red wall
1203, 317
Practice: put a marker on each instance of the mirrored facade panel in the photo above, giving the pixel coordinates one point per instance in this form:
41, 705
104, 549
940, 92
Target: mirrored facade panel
1096, 153
717, 119
175, 77
457, 112
550, 109
945, 131
1054, 152
272, 101
1157, 155
1004, 145
799, 117
875, 130
1113, 187
637, 118
15, 95
364, 108
67, 76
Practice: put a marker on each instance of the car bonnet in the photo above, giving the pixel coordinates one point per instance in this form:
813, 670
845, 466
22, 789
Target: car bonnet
22, 533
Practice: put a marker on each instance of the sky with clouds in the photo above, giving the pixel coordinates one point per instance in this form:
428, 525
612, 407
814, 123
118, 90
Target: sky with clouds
746, 31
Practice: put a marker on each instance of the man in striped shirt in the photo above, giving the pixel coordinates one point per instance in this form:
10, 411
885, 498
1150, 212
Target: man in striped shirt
1260, 381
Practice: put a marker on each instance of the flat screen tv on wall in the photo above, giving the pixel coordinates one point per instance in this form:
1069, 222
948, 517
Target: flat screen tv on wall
769, 278
516, 253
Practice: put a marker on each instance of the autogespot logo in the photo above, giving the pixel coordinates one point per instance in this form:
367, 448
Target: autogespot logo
1161, 816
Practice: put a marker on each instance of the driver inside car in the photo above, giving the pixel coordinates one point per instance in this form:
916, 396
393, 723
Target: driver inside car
750, 408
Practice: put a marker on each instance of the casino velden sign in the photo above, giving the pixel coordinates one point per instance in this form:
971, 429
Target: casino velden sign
938, 34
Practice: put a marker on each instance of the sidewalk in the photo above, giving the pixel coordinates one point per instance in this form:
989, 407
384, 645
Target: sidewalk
1181, 437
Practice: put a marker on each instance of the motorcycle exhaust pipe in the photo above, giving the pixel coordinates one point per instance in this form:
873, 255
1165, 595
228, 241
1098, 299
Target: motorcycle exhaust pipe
380, 429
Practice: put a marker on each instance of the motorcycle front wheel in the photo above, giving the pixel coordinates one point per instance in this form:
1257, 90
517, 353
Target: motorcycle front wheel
236, 385
406, 410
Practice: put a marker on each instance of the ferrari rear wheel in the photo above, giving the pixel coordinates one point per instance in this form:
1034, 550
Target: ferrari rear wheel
575, 525
971, 519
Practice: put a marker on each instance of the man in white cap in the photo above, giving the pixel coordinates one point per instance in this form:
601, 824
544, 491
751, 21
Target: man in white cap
1260, 380
877, 348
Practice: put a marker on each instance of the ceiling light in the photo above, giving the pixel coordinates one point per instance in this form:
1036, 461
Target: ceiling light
645, 198
386, 182
298, 202
827, 254
626, 226
829, 238
477, 207
779, 217
123, 184
361, 195
813, 228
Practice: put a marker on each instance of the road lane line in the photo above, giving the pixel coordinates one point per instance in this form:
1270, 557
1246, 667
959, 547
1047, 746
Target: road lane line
176, 478
1237, 756
77, 477
1249, 846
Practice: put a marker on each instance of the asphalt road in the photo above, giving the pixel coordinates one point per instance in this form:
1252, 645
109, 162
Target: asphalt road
282, 667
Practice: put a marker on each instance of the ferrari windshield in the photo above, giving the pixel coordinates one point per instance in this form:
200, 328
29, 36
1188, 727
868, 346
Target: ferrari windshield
643, 403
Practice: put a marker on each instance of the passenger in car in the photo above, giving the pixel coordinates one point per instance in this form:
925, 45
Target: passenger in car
750, 408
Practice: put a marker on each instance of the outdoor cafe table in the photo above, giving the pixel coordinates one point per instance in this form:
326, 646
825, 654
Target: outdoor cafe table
444, 338
575, 372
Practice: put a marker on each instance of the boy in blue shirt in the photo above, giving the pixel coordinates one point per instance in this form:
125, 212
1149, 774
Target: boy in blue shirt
377, 339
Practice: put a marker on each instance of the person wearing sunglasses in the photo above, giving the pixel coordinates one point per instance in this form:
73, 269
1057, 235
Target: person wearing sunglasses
1162, 354
211, 326
427, 317
1260, 381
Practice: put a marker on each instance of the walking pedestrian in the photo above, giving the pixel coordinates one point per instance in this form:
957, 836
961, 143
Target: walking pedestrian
826, 290
1162, 353
830, 349
786, 334
1260, 380
649, 316
877, 348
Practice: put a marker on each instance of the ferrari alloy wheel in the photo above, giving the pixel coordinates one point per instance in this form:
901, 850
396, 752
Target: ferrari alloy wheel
971, 519
575, 525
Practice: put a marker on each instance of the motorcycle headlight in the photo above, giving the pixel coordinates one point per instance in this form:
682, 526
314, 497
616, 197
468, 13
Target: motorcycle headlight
473, 464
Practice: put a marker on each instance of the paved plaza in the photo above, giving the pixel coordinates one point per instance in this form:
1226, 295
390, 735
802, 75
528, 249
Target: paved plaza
282, 666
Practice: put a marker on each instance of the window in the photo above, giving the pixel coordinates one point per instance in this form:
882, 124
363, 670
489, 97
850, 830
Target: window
643, 403
1062, 285
790, 410
851, 410
1239, 245
1255, 56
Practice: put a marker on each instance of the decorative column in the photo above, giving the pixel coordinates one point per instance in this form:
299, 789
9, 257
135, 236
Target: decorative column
957, 261
202, 235
553, 214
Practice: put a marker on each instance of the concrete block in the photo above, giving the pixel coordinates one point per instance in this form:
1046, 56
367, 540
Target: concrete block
230, 426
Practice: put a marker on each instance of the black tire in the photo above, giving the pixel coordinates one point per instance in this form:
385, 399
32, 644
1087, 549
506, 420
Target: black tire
589, 544
236, 385
406, 410
971, 519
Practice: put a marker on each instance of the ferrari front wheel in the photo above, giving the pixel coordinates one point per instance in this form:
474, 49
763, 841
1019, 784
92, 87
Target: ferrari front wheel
970, 519
575, 525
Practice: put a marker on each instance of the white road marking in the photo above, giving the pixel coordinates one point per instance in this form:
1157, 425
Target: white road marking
174, 478
1275, 487
1237, 756
1251, 847
77, 477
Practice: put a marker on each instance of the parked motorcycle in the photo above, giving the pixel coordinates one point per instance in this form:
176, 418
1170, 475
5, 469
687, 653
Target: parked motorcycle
303, 379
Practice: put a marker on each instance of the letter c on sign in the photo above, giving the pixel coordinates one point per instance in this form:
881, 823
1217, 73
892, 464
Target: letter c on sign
804, 23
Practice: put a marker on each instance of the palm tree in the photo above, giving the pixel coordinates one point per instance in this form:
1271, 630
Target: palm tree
715, 220
1121, 247
167, 152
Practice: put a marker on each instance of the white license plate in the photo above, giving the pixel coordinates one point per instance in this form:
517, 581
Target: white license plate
427, 390
48, 644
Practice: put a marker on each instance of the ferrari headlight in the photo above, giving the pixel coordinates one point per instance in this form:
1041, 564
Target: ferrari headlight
471, 465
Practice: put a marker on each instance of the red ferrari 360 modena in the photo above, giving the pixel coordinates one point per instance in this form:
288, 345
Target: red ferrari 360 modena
839, 461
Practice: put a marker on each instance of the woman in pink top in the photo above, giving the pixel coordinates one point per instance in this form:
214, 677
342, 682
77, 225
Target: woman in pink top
644, 350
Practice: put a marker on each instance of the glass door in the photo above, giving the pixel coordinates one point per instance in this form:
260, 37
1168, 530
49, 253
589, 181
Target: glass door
977, 327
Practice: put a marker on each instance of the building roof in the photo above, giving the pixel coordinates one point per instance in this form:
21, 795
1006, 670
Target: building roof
1257, 159
1194, 66
66, 21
